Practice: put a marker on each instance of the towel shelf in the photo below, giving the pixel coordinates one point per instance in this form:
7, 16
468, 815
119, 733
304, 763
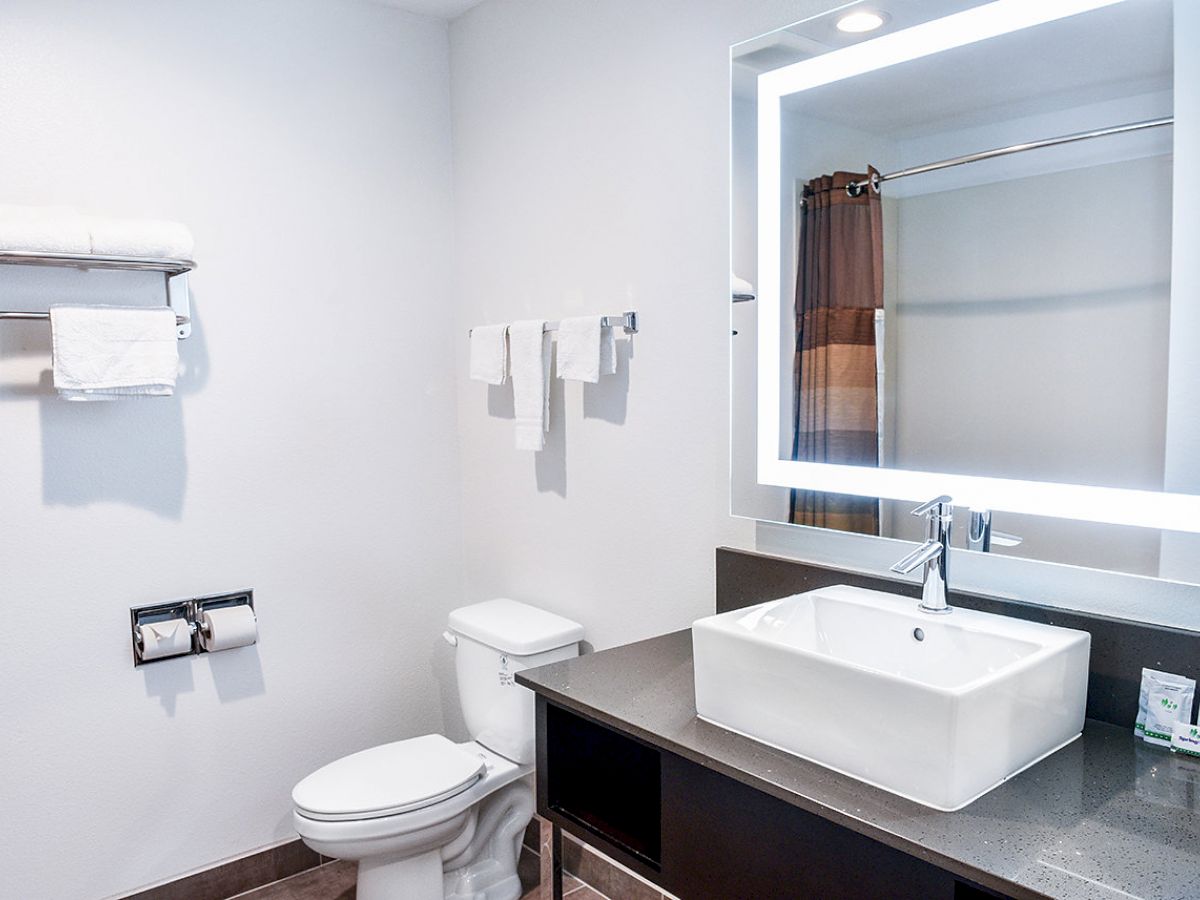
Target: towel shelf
88, 261
175, 272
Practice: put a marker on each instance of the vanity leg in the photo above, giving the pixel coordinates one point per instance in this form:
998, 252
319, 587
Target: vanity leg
556, 862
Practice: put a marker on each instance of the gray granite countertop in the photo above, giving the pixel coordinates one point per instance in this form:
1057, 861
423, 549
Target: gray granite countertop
1108, 816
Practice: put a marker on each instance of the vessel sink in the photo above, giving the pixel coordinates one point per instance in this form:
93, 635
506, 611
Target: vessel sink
937, 708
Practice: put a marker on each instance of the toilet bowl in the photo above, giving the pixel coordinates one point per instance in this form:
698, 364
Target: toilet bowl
427, 818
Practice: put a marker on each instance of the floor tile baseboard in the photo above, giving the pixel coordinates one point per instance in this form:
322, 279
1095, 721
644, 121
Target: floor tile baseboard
236, 876
257, 870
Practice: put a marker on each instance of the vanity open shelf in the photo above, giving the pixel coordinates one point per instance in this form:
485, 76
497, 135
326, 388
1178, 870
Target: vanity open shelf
605, 783
697, 832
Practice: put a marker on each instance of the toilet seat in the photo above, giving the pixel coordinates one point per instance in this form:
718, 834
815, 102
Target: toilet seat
388, 780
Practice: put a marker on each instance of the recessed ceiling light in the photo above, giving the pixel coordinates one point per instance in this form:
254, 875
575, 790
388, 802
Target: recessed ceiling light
861, 21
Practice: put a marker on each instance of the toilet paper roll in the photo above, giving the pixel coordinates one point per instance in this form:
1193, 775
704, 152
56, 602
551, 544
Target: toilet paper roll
169, 638
227, 627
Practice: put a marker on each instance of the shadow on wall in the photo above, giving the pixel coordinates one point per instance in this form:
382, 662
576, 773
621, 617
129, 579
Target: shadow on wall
1088, 302
550, 465
167, 679
123, 451
237, 674
606, 400
441, 663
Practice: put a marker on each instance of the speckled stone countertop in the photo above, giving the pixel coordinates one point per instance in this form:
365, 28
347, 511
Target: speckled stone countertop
1106, 817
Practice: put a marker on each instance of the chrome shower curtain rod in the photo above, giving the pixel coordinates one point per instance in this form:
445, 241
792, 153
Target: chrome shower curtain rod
855, 188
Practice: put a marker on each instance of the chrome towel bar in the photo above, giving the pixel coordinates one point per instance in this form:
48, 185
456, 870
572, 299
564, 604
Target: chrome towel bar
627, 321
175, 272
45, 316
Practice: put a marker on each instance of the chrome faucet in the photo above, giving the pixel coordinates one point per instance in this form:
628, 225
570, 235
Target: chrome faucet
934, 554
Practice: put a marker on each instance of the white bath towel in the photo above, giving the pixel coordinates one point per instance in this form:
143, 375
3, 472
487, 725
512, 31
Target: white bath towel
154, 238
529, 355
489, 353
587, 349
43, 229
108, 352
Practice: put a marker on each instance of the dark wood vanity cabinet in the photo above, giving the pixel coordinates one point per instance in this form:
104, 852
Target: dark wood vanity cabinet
701, 834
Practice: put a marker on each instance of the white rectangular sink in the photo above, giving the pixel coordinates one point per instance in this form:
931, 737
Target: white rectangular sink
937, 708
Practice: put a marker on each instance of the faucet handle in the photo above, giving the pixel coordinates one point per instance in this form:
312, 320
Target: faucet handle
1004, 539
938, 506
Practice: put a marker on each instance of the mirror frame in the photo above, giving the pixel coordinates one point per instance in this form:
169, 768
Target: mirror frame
1119, 506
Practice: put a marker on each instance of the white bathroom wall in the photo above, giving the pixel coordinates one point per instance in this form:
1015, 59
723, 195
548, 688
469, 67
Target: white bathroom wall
1017, 330
592, 174
310, 452
592, 168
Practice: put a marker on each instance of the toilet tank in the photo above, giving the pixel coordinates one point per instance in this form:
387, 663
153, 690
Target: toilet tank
493, 641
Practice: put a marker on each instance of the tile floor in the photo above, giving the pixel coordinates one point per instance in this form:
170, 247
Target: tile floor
332, 881
335, 881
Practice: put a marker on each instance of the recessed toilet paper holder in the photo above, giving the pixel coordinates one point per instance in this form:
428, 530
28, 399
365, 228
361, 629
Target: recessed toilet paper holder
201, 605
191, 611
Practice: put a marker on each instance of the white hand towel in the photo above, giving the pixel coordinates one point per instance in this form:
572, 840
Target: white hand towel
529, 353
107, 352
489, 353
43, 229
139, 237
587, 349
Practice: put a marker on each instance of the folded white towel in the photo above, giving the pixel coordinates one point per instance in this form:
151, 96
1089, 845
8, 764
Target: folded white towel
43, 229
139, 237
489, 353
587, 349
529, 353
106, 352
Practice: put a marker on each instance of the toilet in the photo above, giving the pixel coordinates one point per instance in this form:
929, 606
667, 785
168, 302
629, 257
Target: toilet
426, 818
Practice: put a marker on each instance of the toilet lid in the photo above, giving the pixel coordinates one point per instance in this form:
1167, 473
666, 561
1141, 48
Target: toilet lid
389, 779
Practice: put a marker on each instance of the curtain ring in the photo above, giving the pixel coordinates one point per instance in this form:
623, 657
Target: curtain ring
875, 182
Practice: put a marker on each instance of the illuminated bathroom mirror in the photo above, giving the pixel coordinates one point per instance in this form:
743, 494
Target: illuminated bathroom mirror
940, 307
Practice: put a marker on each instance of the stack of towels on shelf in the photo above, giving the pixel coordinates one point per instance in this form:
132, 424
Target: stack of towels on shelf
61, 229
586, 350
104, 352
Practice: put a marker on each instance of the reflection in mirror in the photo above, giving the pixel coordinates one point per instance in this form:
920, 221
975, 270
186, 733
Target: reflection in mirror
975, 273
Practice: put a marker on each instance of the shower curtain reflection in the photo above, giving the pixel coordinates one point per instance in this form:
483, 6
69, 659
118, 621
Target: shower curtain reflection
839, 287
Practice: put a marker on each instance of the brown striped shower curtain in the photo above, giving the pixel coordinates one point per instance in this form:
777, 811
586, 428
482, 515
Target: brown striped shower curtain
839, 286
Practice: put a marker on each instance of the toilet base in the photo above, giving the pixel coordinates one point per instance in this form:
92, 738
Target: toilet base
479, 863
487, 869
391, 878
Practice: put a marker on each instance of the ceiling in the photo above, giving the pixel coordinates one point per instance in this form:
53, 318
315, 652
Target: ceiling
443, 9
1112, 52
818, 34
1123, 47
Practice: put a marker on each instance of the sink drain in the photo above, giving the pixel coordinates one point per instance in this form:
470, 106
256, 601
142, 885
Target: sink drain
918, 634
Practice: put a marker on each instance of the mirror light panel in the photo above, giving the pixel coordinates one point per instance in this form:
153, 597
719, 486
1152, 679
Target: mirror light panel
1154, 509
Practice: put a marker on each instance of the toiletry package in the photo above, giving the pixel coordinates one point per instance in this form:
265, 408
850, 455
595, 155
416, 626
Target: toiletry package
1186, 739
1165, 700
